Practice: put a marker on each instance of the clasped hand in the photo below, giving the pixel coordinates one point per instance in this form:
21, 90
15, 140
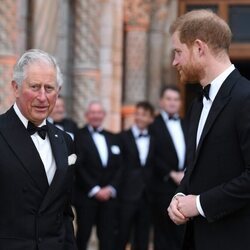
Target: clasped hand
182, 208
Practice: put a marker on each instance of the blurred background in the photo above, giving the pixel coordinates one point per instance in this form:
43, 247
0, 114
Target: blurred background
117, 51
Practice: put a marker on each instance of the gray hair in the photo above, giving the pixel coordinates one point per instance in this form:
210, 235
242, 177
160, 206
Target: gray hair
31, 56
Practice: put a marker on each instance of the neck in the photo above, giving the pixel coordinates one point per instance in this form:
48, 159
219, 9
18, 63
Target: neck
214, 68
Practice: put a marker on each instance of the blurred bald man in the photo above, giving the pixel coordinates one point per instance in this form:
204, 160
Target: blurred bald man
98, 174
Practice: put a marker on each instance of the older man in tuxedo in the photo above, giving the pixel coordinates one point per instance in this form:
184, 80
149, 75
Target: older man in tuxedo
98, 176
214, 196
35, 170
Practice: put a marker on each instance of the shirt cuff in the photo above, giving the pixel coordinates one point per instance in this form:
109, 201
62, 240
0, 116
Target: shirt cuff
198, 205
113, 191
179, 194
94, 191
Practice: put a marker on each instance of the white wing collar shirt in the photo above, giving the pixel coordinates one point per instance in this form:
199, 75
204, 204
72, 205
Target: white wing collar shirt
142, 140
43, 147
102, 148
175, 130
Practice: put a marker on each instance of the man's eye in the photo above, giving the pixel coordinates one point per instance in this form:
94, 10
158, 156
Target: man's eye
49, 88
35, 87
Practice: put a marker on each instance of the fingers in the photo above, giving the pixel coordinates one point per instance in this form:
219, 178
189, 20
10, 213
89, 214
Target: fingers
176, 216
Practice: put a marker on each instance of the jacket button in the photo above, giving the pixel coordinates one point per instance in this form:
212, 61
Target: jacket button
40, 239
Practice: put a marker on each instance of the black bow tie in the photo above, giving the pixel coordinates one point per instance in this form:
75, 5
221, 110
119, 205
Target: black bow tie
205, 91
32, 129
173, 117
97, 130
142, 135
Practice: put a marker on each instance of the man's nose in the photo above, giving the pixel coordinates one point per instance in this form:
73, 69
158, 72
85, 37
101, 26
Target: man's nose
42, 94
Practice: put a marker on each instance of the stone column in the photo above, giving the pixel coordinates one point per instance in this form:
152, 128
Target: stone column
86, 73
50, 31
137, 19
156, 45
8, 50
111, 33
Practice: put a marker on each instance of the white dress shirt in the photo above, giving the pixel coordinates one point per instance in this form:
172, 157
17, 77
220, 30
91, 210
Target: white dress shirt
102, 148
176, 133
43, 147
207, 104
142, 143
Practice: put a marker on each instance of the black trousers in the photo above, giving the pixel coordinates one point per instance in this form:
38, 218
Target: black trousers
134, 216
167, 235
101, 214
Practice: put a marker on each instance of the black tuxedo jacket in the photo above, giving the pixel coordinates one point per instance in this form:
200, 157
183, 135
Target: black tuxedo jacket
89, 169
68, 125
166, 158
136, 178
33, 215
219, 168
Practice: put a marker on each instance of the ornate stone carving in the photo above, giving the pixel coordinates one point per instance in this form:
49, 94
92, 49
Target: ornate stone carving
137, 13
86, 55
8, 29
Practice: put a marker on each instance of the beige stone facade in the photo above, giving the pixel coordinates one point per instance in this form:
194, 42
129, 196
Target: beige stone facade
115, 51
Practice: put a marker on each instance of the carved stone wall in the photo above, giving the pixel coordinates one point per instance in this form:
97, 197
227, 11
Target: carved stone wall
156, 47
97, 67
50, 31
8, 50
137, 19
86, 55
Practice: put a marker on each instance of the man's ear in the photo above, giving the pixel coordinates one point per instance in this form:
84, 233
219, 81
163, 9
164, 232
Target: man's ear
15, 88
200, 47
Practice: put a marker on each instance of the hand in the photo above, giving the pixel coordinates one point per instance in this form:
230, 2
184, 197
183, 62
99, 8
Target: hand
104, 194
175, 215
176, 176
187, 205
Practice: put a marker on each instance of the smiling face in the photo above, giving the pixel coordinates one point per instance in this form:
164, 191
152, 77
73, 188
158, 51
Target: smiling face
185, 61
95, 115
37, 94
143, 118
171, 101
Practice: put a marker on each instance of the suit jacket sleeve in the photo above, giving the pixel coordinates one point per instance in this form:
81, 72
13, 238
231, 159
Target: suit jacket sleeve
234, 194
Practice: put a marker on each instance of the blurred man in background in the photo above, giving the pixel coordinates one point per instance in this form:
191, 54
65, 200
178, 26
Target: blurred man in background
169, 132
98, 175
58, 118
137, 147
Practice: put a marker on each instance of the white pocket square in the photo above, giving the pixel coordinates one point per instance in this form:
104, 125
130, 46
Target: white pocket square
72, 159
115, 150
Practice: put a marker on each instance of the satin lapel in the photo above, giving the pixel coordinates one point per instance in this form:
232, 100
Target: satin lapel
193, 122
165, 131
22, 145
220, 101
60, 153
93, 149
109, 144
150, 150
132, 142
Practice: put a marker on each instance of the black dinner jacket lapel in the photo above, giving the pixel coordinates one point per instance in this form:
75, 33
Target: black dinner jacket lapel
13, 131
60, 153
220, 101
93, 148
132, 143
167, 135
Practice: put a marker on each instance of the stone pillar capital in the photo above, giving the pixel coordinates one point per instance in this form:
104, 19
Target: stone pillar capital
137, 14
